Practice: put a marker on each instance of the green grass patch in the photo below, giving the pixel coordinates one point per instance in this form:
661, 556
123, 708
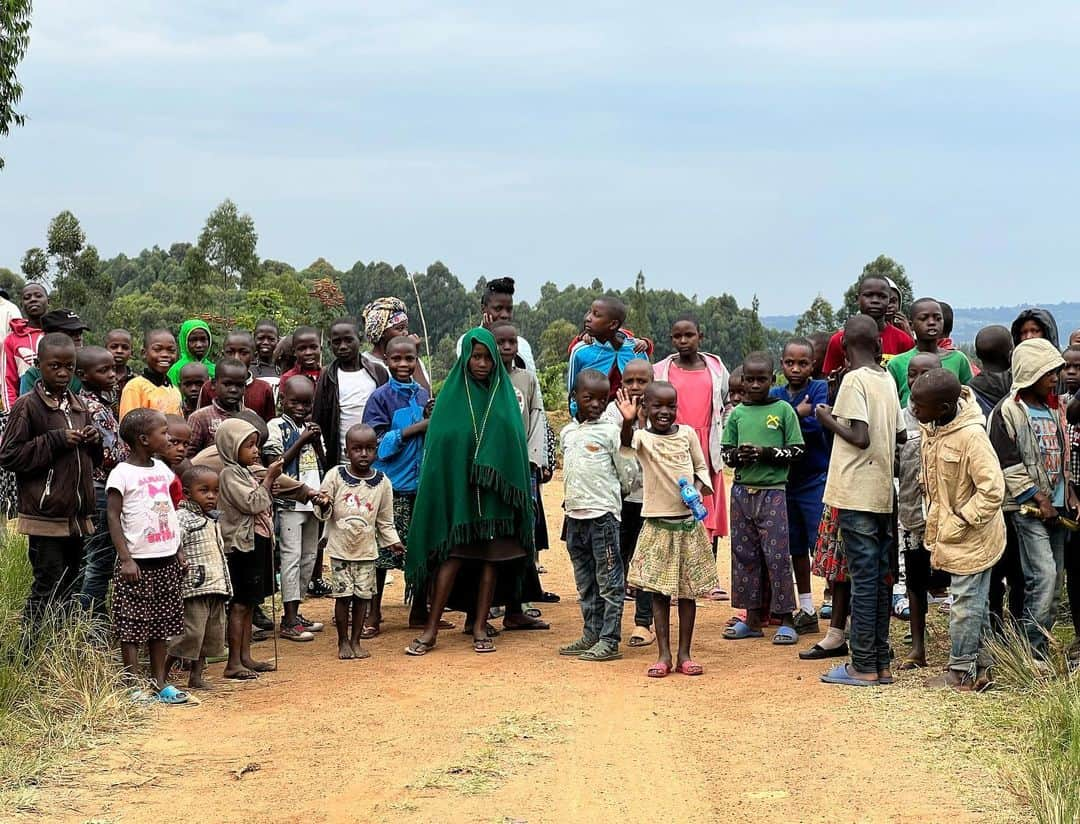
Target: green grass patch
501, 751
61, 690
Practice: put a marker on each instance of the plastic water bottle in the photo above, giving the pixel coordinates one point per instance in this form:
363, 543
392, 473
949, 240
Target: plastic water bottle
692, 498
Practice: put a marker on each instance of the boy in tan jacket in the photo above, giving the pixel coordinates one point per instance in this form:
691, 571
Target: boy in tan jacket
965, 531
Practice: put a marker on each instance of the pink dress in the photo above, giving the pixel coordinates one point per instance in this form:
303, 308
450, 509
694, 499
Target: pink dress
695, 390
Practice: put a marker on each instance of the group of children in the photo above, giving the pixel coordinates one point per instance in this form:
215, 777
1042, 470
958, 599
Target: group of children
199, 486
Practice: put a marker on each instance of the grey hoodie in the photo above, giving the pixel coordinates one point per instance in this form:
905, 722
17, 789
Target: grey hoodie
1041, 317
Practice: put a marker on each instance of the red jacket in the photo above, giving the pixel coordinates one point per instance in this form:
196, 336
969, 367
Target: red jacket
20, 353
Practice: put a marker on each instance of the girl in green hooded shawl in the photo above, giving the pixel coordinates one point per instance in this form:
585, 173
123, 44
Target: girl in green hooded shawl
474, 503
194, 340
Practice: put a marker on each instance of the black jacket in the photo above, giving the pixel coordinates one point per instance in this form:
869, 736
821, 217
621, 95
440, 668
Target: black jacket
56, 484
325, 409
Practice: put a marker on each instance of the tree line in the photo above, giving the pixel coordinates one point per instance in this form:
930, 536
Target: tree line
219, 277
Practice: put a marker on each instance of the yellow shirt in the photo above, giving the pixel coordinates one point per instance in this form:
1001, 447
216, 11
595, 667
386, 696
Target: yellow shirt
141, 393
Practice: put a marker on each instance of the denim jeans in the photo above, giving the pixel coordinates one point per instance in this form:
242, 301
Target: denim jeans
1007, 581
593, 545
298, 543
99, 558
867, 536
969, 622
1042, 557
629, 529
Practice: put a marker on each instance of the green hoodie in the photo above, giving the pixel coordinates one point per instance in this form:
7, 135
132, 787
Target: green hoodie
186, 328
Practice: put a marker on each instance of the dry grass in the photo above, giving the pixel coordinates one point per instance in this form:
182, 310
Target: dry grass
60, 690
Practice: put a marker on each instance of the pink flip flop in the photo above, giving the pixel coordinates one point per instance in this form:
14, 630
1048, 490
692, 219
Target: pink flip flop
690, 668
660, 669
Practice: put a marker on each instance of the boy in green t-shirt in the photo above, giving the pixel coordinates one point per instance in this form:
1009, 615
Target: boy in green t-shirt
761, 439
928, 325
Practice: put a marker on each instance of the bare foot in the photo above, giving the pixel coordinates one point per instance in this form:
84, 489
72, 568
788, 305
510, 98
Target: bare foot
359, 651
199, 683
240, 674
258, 666
345, 651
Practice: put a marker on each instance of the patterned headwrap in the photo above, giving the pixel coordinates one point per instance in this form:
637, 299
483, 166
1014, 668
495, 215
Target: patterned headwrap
380, 315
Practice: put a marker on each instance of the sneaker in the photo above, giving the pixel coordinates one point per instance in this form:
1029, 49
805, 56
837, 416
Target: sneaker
295, 633
310, 626
601, 651
318, 588
260, 620
805, 622
581, 645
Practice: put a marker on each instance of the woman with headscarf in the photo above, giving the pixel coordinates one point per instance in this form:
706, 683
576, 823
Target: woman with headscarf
384, 319
193, 351
474, 511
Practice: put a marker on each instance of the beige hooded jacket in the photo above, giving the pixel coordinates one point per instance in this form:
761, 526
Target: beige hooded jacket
965, 490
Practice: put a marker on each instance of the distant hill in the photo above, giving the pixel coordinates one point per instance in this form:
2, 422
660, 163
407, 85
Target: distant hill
969, 321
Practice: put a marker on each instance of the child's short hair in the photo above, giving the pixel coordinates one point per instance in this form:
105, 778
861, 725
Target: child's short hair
497, 286
499, 324
687, 317
869, 276
920, 301
940, 384
241, 333
54, 340
194, 472
138, 422
347, 320
160, 330
401, 340
358, 429
228, 363
266, 323
806, 343
118, 331
994, 344
304, 330
759, 358
660, 386
590, 377
615, 306
88, 354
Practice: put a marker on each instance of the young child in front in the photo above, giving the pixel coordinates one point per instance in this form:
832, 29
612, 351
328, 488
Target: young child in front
192, 377
927, 322
205, 586
1028, 431
96, 369
806, 477
965, 528
229, 377
298, 442
761, 439
593, 503
399, 412
147, 605
247, 530
52, 447
258, 395
153, 389
867, 423
674, 556
911, 511
610, 349
636, 377
357, 502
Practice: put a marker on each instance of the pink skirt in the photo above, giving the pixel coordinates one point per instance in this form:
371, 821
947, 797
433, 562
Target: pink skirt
716, 522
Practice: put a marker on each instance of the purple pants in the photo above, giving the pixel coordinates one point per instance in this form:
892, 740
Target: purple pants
759, 548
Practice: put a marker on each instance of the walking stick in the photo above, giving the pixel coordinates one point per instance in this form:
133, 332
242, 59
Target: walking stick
423, 322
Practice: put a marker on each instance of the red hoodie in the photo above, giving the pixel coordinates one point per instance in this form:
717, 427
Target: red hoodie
20, 353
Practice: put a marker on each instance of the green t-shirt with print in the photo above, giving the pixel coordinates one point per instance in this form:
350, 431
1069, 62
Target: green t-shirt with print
773, 423
955, 361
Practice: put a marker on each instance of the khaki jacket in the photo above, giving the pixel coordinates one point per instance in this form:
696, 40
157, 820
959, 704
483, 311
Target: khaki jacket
965, 489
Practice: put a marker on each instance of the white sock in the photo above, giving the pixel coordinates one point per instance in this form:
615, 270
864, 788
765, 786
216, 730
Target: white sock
806, 602
833, 639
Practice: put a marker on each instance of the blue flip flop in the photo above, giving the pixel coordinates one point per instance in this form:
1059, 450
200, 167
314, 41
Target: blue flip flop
785, 636
740, 630
171, 695
839, 675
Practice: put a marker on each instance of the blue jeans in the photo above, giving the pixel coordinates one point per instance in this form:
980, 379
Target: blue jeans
593, 545
99, 558
1042, 558
969, 622
867, 536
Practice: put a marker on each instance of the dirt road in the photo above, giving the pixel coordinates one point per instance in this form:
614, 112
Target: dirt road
518, 736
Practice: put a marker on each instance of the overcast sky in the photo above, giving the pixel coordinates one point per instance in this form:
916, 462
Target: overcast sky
740, 147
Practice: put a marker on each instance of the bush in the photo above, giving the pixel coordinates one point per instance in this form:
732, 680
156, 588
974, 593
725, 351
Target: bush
59, 690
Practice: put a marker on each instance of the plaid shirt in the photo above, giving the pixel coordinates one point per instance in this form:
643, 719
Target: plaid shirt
1072, 432
207, 572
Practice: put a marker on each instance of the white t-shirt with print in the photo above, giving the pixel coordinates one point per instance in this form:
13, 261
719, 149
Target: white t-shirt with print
148, 518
